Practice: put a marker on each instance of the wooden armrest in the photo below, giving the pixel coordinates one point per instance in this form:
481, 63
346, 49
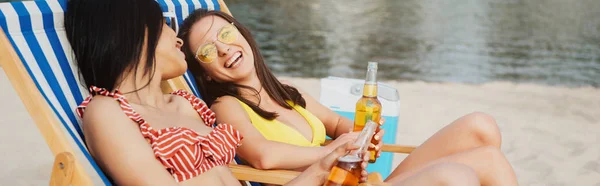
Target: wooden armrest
247, 173
280, 177
406, 149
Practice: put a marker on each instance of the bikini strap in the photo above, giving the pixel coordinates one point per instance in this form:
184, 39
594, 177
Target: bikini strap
118, 96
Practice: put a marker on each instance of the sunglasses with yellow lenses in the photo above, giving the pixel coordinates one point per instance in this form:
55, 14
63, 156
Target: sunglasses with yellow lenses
207, 52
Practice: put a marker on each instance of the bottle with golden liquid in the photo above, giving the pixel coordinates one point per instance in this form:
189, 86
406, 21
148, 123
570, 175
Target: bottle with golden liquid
368, 106
347, 170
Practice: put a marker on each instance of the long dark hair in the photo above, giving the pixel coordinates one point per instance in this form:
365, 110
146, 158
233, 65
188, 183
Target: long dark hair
211, 90
107, 37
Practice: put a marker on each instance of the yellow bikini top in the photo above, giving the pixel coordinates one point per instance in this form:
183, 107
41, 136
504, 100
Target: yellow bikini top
276, 131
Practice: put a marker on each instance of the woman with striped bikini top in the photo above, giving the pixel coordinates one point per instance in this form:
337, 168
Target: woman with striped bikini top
182, 151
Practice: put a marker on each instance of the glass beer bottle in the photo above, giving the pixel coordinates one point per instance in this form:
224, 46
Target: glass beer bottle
368, 106
347, 170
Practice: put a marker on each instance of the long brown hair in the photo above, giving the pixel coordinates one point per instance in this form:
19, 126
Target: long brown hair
211, 90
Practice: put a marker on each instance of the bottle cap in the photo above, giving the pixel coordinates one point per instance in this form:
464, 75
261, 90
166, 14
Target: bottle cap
372, 65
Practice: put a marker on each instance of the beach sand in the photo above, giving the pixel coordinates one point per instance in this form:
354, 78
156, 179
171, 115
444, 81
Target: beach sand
550, 134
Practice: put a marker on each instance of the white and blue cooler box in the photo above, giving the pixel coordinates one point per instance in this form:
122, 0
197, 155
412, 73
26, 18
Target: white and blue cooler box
341, 95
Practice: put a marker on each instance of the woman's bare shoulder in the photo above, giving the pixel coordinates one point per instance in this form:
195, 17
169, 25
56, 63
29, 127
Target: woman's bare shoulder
104, 114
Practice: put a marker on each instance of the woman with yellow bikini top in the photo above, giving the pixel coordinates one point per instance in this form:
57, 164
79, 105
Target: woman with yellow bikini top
283, 127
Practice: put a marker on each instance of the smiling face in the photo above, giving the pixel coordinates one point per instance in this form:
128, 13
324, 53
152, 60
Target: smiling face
233, 60
170, 60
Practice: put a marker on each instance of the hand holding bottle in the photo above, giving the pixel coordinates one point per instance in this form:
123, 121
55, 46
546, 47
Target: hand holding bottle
342, 140
327, 163
349, 169
377, 142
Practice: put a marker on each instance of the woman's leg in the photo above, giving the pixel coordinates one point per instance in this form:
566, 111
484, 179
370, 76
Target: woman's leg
489, 164
470, 131
443, 174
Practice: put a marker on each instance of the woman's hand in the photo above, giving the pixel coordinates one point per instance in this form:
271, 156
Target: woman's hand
318, 173
342, 140
324, 166
363, 174
378, 138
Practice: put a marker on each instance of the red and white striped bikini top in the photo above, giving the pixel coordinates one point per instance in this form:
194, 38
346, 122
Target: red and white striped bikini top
183, 152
